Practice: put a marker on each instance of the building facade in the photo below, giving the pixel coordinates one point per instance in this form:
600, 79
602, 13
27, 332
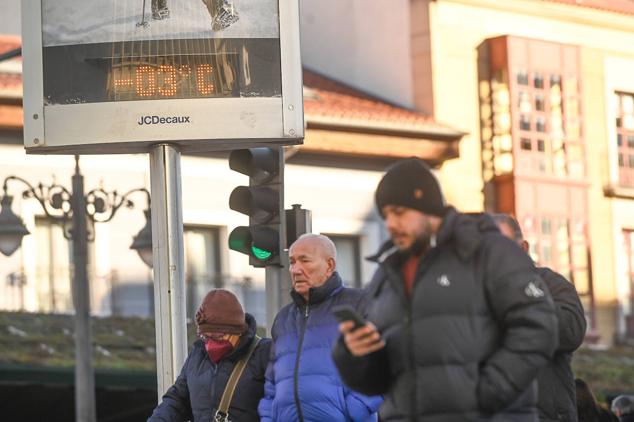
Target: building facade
543, 90
351, 137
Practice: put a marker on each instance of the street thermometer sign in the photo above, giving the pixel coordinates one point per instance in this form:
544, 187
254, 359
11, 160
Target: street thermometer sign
119, 76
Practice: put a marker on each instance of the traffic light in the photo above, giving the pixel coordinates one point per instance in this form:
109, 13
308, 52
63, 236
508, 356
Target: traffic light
263, 201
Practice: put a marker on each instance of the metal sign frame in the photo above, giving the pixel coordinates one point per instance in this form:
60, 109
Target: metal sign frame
214, 124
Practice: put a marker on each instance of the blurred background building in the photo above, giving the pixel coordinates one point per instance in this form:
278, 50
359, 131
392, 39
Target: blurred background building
523, 106
544, 91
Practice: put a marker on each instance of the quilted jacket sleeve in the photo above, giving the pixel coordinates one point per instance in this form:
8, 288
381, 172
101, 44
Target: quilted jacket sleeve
572, 320
523, 308
266, 403
175, 406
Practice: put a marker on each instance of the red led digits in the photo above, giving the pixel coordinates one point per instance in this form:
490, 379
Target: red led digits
167, 80
204, 79
145, 81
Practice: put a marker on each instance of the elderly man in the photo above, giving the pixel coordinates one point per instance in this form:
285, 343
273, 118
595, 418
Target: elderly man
556, 383
227, 341
302, 383
460, 322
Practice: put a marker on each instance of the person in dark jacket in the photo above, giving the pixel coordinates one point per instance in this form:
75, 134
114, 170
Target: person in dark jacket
623, 407
555, 382
302, 384
588, 410
459, 322
226, 334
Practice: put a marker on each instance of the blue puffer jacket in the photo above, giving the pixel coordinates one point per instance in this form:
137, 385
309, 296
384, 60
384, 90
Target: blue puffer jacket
302, 383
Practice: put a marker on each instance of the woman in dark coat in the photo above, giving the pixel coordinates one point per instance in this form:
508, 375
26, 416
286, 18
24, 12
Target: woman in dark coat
588, 410
226, 334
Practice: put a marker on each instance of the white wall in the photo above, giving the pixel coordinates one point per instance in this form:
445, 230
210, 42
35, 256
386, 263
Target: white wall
341, 201
365, 43
10, 17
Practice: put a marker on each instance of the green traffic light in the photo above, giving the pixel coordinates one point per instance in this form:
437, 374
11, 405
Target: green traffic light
261, 254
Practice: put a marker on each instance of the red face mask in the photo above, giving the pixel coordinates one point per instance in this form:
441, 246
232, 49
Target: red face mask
217, 349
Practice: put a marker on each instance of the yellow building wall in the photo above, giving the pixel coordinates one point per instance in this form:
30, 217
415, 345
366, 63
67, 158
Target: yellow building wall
599, 207
457, 28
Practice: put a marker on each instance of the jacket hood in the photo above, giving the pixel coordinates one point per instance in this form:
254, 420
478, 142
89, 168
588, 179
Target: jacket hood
463, 230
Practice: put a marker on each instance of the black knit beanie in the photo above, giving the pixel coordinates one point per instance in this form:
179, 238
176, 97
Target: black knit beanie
410, 183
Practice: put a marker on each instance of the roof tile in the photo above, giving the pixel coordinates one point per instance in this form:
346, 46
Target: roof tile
324, 97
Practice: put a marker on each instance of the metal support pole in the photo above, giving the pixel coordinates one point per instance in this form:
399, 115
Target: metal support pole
168, 258
278, 287
277, 279
85, 408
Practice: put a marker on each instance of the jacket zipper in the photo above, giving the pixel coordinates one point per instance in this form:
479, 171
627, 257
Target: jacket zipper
409, 328
300, 414
412, 361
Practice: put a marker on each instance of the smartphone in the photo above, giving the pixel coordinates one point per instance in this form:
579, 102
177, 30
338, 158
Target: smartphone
348, 313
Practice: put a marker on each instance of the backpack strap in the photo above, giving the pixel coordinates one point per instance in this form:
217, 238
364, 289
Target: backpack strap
222, 414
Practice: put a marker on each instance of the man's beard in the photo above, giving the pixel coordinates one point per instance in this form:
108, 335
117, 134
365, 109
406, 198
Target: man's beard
421, 243
419, 246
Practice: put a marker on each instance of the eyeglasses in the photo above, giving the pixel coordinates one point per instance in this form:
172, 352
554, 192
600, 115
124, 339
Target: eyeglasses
214, 336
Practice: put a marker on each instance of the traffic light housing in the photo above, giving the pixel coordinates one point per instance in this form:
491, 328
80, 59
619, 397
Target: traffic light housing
264, 239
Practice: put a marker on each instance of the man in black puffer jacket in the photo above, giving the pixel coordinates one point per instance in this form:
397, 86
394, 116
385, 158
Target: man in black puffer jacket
556, 382
226, 335
460, 323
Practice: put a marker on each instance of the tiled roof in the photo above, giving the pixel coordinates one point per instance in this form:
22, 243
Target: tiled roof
10, 72
9, 42
326, 103
618, 6
329, 102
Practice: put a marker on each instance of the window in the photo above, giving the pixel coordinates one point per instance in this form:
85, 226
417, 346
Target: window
526, 144
348, 258
539, 81
202, 264
628, 272
539, 103
548, 107
52, 268
540, 125
625, 138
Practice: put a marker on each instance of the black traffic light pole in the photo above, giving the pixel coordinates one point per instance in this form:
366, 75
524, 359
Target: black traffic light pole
264, 239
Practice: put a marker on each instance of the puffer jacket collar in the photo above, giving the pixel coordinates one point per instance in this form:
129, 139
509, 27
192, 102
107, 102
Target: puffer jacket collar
463, 231
317, 295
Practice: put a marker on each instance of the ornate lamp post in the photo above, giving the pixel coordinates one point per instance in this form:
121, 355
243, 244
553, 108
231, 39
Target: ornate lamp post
72, 209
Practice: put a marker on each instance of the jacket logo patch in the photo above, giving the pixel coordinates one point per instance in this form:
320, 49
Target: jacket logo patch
533, 291
443, 280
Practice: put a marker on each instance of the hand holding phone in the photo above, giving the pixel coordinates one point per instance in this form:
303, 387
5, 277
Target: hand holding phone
363, 338
348, 313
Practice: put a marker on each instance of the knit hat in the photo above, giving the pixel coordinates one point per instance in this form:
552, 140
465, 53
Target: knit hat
410, 183
221, 312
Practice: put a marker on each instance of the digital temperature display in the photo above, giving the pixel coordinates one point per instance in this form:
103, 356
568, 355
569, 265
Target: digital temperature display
185, 79
159, 70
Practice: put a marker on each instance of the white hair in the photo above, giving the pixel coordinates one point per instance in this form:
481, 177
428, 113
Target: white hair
327, 245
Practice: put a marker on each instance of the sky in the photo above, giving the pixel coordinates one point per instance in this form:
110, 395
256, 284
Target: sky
8, 22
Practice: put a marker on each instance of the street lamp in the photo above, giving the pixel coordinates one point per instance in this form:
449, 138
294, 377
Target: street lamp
72, 209
12, 230
142, 242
